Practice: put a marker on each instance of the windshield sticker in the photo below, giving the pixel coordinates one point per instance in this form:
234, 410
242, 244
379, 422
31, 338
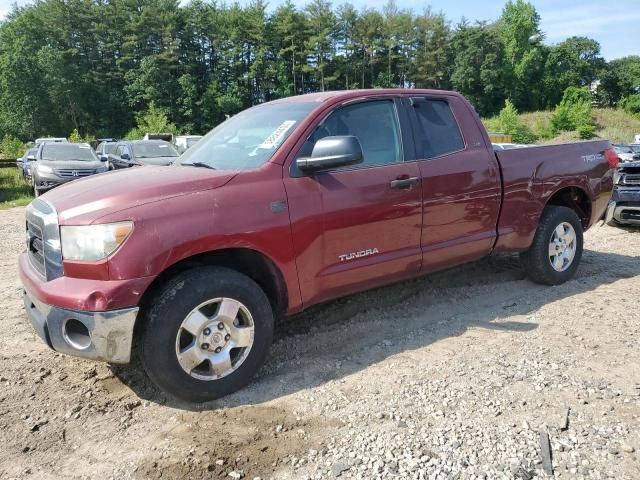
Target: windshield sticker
276, 137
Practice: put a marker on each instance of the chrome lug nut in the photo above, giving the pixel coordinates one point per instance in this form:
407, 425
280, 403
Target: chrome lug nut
218, 350
227, 337
204, 346
221, 326
207, 331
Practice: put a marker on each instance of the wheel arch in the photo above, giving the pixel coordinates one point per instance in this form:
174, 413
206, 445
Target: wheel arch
575, 198
252, 263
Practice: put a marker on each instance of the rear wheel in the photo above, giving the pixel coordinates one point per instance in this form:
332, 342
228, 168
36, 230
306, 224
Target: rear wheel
555, 253
207, 334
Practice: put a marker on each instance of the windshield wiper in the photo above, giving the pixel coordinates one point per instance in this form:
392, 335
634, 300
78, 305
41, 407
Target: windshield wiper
199, 164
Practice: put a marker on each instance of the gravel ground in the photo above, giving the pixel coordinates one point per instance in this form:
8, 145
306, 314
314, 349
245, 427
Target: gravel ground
466, 374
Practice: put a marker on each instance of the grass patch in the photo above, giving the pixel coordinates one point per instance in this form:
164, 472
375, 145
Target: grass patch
612, 124
14, 190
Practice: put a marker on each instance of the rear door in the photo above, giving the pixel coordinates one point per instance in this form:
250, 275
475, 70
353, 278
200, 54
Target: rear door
460, 182
357, 227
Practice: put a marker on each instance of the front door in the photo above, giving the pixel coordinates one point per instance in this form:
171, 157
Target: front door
359, 226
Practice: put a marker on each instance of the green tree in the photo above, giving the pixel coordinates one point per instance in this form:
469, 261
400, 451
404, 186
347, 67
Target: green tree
479, 66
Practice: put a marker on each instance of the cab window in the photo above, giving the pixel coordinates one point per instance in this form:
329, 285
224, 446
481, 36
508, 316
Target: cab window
374, 123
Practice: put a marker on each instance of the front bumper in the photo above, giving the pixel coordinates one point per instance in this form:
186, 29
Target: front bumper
105, 336
624, 206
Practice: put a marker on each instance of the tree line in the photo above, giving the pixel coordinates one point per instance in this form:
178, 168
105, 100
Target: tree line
97, 66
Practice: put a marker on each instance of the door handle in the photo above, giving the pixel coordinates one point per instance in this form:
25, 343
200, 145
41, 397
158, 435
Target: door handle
406, 182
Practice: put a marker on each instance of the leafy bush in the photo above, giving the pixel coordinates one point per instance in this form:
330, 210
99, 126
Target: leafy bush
508, 122
631, 105
12, 147
586, 131
573, 111
153, 120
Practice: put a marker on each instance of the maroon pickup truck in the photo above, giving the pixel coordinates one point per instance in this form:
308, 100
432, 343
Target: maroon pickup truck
285, 205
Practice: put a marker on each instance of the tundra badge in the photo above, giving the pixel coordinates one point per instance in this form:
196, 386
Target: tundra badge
361, 253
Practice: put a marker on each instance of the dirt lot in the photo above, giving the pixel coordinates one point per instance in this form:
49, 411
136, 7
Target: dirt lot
455, 375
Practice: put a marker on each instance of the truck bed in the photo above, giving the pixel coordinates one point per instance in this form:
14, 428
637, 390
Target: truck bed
532, 176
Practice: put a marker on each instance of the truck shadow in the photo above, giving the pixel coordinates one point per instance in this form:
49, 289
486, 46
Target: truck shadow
343, 337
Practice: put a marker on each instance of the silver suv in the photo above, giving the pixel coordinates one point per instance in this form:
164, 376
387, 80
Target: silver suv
58, 163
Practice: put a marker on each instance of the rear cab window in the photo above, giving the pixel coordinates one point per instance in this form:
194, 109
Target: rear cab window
437, 131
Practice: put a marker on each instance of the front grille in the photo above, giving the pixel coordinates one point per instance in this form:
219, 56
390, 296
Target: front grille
74, 173
43, 239
633, 179
630, 214
35, 247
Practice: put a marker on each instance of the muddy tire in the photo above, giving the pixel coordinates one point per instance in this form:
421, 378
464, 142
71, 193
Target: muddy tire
555, 253
206, 334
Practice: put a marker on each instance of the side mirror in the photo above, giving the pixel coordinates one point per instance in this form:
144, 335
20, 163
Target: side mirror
31, 158
104, 158
125, 156
332, 152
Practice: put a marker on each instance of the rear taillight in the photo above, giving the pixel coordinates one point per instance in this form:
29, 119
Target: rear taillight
612, 157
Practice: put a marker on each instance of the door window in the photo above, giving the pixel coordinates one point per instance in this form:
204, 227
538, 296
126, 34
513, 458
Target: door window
438, 130
374, 123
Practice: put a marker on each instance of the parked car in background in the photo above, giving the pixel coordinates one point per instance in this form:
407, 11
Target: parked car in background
142, 152
167, 137
624, 207
183, 142
40, 141
56, 163
508, 146
285, 205
626, 153
105, 148
24, 163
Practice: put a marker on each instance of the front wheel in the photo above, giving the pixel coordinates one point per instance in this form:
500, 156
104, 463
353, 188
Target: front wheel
34, 183
555, 253
207, 334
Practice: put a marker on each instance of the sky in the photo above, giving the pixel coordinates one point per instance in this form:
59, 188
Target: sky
613, 23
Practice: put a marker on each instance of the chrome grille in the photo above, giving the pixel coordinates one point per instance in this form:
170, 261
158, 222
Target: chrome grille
43, 239
631, 179
74, 172
35, 247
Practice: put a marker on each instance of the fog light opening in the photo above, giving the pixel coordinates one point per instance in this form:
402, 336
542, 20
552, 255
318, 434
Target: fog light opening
76, 334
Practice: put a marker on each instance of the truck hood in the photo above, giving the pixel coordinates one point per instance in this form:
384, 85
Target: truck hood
85, 201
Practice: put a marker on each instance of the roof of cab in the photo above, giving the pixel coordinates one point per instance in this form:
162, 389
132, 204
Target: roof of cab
348, 94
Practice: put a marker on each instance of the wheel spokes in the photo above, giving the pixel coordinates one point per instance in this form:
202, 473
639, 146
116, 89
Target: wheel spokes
220, 363
191, 357
241, 336
569, 237
195, 322
228, 311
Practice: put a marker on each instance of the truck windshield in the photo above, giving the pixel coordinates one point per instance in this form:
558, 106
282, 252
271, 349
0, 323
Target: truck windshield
153, 150
248, 139
57, 152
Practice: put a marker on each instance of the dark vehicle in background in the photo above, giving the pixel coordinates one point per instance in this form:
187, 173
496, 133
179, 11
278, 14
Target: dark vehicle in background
58, 163
142, 152
624, 207
106, 147
24, 163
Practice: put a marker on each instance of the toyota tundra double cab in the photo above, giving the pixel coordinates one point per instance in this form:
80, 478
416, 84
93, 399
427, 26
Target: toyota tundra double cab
285, 205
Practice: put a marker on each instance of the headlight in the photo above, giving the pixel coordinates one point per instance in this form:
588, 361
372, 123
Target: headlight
93, 242
44, 168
